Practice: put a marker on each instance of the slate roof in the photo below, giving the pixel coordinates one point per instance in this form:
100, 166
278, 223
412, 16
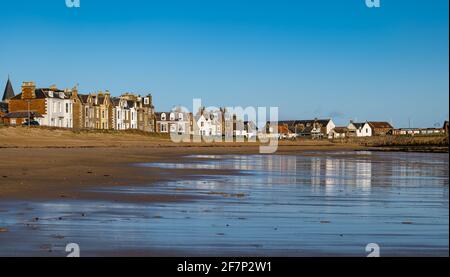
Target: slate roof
3, 107
341, 130
380, 124
83, 98
42, 93
358, 125
9, 91
22, 114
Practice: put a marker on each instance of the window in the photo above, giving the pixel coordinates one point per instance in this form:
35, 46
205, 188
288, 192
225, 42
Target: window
163, 116
146, 101
67, 107
181, 128
172, 116
163, 128
180, 116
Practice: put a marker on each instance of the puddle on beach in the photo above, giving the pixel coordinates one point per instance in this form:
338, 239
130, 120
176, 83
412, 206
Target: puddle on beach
314, 204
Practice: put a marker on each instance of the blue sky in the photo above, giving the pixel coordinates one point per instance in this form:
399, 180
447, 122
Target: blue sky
311, 58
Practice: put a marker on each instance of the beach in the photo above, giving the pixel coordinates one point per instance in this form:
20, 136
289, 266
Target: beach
58, 187
51, 163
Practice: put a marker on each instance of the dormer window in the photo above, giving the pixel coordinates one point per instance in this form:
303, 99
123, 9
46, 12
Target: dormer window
172, 116
146, 101
180, 116
163, 116
50, 93
61, 95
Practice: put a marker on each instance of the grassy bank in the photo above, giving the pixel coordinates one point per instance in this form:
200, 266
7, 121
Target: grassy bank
48, 137
437, 143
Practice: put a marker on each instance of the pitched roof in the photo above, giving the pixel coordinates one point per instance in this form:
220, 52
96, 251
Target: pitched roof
22, 114
358, 125
42, 93
380, 124
9, 91
341, 130
3, 107
323, 122
83, 98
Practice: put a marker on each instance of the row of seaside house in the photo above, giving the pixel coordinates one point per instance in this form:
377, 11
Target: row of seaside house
67, 108
325, 128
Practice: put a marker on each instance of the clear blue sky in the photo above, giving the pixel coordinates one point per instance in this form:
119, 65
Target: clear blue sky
311, 58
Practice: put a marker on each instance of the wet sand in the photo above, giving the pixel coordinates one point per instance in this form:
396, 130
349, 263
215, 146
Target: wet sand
48, 183
308, 203
49, 173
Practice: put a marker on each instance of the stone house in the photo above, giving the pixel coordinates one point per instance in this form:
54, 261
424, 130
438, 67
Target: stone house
381, 128
339, 133
53, 104
315, 128
356, 129
177, 121
145, 112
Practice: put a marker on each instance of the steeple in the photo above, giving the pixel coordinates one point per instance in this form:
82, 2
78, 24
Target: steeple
9, 91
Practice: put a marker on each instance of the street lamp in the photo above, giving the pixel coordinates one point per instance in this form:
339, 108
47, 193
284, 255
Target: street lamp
29, 116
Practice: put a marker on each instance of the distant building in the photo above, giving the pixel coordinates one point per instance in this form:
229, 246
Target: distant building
315, 128
3, 109
338, 133
176, 122
250, 129
381, 128
8, 92
208, 123
145, 112
445, 127
359, 129
97, 111
52, 104
418, 131
125, 114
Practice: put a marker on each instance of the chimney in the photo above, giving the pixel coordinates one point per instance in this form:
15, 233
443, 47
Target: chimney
28, 90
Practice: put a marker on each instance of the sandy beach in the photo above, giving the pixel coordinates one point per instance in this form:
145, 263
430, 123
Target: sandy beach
58, 163
58, 187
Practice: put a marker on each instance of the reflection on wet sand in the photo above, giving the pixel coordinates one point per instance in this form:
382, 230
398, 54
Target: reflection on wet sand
301, 205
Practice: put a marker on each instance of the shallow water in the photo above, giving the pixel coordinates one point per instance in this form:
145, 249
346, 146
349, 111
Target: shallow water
314, 204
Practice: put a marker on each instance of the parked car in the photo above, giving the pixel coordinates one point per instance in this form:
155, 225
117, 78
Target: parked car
32, 123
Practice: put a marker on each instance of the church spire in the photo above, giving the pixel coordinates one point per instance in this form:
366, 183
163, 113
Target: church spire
9, 91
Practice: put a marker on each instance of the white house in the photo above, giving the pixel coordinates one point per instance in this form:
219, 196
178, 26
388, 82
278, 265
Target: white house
175, 121
125, 114
59, 108
209, 123
359, 129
